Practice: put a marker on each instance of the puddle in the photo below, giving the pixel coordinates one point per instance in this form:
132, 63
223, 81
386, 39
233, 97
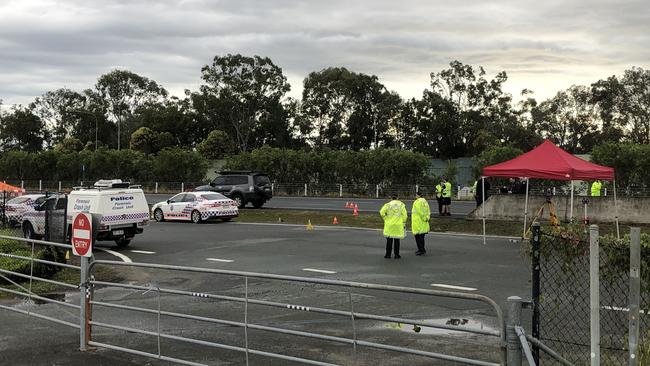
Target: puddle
457, 322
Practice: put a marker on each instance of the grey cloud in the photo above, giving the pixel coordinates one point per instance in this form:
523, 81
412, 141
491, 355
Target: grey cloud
46, 45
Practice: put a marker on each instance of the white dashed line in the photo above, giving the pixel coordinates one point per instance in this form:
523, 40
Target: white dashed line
141, 251
124, 258
219, 260
318, 270
452, 287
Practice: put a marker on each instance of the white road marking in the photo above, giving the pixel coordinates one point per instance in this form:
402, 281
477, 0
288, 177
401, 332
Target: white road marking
318, 270
219, 260
119, 255
452, 287
141, 251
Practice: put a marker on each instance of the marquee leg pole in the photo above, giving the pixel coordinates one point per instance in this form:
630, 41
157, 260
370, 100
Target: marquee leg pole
618, 231
483, 207
571, 204
523, 236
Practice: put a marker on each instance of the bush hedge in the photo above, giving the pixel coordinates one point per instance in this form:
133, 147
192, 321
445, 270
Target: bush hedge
170, 164
380, 166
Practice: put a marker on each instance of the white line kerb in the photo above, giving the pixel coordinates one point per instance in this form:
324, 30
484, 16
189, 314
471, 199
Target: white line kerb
141, 251
219, 260
318, 270
452, 287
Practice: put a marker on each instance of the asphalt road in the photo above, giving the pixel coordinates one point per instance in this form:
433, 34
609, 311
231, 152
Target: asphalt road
458, 208
496, 270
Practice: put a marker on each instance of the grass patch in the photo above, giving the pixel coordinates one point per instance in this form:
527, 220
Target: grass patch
374, 221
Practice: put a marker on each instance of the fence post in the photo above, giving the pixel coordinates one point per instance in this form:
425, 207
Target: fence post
59, 186
305, 189
594, 290
22, 184
83, 302
40, 185
635, 293
605, 192
417, 188
537, 241
554, 191
272, 188
514, 319
458, 193
182, 186
377, 191
156, 189
340, 190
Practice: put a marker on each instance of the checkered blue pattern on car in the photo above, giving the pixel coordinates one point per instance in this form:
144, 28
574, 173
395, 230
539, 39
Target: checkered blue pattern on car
130, 216
208, 214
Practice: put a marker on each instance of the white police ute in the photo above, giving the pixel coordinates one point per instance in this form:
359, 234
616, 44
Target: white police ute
16, 207
196, 207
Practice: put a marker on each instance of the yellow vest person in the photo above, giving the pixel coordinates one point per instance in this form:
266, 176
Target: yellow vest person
420, 215
446, 197
439, 197
395, 216
596, 186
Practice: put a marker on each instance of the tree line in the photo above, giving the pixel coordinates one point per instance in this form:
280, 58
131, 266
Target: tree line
242, 105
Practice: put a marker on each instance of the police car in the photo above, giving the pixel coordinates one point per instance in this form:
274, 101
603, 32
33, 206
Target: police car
196, 207
17, 207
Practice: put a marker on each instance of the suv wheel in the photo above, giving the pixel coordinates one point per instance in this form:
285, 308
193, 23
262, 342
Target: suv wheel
239, 199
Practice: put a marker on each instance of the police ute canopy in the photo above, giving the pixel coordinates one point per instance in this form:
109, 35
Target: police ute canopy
123, 209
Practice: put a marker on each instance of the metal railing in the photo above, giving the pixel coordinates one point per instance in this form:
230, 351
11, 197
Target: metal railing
25, 290
351, 314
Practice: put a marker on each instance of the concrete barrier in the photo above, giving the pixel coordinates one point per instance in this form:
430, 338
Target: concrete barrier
633, 210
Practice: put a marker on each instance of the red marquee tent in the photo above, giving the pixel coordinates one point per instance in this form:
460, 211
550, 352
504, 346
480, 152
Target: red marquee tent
548, 161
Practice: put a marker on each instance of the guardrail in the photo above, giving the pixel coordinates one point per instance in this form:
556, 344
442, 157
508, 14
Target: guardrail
246, 300
26, 291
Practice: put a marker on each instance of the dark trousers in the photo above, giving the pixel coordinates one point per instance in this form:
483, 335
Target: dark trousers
439, 199
419, 241
390, 244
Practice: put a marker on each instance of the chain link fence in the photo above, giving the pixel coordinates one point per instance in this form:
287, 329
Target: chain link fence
564, 304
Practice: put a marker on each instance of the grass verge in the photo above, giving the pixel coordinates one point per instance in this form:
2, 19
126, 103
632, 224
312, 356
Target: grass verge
374, 221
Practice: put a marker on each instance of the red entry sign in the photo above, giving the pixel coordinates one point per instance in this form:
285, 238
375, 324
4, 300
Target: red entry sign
82, 229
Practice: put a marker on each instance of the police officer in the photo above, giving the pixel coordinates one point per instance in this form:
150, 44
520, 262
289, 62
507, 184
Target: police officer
596, 186
439, 197
395, 216
420, 214
446, 197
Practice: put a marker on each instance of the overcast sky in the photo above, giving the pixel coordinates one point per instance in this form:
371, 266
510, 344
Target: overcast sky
543, 45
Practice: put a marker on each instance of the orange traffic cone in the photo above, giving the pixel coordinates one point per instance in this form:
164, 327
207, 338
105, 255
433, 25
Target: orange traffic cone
309, 225
347, 205
335, 221
356, 211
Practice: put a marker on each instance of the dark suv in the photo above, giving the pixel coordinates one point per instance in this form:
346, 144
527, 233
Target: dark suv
242, 186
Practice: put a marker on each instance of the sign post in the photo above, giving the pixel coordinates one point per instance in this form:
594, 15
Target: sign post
82, 245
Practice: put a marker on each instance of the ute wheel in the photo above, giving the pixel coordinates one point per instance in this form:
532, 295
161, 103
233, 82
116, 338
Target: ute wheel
258, 204
122, 242
196, 217
158, 215
28, 231
239, 199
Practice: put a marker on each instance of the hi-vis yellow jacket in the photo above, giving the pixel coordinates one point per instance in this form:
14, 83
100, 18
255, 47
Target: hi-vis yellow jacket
395, 216
420, 214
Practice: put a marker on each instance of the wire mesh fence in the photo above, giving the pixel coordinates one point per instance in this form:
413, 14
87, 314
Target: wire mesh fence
564, 306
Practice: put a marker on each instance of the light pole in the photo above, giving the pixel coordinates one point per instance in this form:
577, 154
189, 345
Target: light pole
96, 123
